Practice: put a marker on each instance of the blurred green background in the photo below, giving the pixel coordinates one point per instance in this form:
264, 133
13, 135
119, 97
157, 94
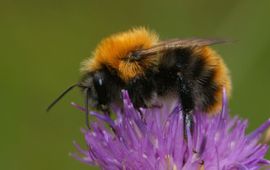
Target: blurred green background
43, 42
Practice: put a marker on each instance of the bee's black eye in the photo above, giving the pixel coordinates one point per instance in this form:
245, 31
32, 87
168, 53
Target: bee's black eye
101, 85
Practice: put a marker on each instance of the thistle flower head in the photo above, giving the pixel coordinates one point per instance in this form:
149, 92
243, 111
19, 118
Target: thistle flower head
158, 142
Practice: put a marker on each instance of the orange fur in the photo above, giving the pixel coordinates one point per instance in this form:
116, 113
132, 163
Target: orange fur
113, 50
221, 77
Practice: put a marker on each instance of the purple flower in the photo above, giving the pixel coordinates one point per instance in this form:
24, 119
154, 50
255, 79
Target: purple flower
157, 142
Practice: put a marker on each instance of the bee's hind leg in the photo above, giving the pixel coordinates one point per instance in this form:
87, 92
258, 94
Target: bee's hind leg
187, 102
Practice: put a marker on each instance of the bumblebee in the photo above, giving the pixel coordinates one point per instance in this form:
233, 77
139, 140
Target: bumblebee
136, 60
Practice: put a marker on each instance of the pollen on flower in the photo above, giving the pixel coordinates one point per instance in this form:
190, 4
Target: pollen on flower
157, 142
267, 137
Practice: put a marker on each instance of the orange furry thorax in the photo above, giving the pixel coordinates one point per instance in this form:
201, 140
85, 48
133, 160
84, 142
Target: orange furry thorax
113, 51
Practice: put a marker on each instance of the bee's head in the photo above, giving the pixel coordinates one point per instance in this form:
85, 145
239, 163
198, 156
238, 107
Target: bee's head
119, 52
93, 87
101, 87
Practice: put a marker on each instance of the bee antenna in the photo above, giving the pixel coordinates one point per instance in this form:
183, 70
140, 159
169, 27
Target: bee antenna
61, 96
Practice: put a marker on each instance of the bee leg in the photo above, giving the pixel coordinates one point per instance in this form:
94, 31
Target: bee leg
185, 93
107, 112
142, 116
188, 123
105, 109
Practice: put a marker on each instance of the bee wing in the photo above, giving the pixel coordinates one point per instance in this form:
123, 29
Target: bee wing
173, 44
